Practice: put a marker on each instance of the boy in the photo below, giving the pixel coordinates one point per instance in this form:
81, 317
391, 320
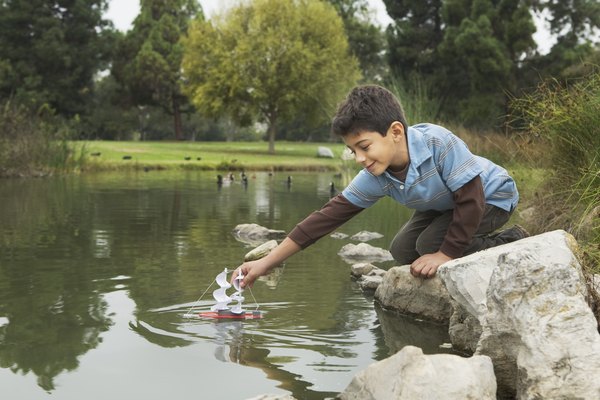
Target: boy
459, 198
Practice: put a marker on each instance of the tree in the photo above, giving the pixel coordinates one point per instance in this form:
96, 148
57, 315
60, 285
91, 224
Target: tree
51, 50
149, 57
474, 85
414, 37
469, 51
483, 44
573, 23
581, 17
269, 60
367, 40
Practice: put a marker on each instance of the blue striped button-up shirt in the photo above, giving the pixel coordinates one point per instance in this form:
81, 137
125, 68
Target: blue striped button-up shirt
440, 164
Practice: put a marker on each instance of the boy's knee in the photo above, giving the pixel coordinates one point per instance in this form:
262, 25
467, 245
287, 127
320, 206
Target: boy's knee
425, 247
402, 255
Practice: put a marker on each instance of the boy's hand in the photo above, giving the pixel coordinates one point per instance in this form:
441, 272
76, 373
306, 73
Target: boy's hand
426, 266
251, 270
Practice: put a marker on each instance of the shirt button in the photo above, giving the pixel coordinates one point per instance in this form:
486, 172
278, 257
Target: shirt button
401, 187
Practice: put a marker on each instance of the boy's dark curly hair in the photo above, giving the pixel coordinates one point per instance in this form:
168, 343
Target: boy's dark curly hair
367, 108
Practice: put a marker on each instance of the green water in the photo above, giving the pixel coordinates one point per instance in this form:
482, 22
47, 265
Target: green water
97, 273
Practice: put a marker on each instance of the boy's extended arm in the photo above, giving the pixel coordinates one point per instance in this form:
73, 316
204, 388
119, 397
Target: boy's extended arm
253, 269
332, 215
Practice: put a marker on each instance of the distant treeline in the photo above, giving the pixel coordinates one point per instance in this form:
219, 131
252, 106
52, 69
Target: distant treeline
456, 61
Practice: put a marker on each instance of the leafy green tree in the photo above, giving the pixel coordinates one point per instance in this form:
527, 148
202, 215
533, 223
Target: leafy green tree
51, 50
149, 56
469, 51
110, 116
269, 60
367, 40
573, 23
580, 16
479, 56
414, 37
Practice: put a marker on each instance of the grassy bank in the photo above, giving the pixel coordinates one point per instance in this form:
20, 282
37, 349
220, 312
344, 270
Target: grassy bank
104, 155
290, 156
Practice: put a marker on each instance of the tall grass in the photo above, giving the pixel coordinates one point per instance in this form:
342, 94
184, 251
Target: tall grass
417, 99
566, 121
34, 144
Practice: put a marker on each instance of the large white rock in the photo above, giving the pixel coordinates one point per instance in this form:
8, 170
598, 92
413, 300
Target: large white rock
529, 298
402, 292
409, 374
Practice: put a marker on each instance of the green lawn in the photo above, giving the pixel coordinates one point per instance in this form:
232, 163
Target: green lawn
208, 155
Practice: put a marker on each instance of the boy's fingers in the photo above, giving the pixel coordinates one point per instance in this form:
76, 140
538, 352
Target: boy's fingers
415, 270
247, 281
431, 272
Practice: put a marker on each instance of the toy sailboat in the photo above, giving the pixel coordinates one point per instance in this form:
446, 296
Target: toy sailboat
222, 309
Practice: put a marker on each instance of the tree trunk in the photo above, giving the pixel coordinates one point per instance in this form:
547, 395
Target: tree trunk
272, 130
177, 119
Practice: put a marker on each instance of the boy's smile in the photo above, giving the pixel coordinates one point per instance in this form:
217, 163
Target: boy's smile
377, 153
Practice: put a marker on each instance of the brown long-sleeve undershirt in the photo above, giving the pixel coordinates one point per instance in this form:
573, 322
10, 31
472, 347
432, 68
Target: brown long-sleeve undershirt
467, 214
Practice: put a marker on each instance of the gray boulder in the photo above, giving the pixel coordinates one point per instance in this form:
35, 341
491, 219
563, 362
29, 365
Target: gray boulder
368, 276
359, 269
426, 298
255, 234
262, 250
352, 253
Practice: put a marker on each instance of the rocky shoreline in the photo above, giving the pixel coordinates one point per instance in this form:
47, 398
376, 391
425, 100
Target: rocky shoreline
520, 311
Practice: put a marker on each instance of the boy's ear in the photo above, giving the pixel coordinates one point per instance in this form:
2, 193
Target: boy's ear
397, 129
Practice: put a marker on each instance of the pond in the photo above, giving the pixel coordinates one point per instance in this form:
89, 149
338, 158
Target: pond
97, 273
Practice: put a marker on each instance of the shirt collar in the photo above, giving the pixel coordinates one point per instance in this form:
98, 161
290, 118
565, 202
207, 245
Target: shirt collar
417, 147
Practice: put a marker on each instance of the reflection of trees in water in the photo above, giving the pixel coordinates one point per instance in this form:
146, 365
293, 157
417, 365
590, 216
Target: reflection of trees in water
69, 237
47, 333
55, 313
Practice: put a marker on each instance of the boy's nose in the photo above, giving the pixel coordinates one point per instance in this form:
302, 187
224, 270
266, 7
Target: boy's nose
360, 158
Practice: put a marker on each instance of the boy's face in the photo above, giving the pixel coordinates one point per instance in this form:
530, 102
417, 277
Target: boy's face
377, 153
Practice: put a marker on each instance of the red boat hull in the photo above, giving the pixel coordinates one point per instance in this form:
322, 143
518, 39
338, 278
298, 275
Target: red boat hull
230, 315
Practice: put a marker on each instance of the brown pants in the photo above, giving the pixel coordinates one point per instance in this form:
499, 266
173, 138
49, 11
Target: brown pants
425, 232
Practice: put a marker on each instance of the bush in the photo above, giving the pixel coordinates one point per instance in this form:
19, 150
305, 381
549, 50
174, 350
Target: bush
567, 121
34, 144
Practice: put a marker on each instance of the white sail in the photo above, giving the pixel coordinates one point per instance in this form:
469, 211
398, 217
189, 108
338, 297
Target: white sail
221, 279
220, 294
237, 281
222, 300
237, 296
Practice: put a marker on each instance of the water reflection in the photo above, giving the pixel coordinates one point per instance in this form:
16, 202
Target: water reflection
97, 271
46, 333
401, 330
253, 343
